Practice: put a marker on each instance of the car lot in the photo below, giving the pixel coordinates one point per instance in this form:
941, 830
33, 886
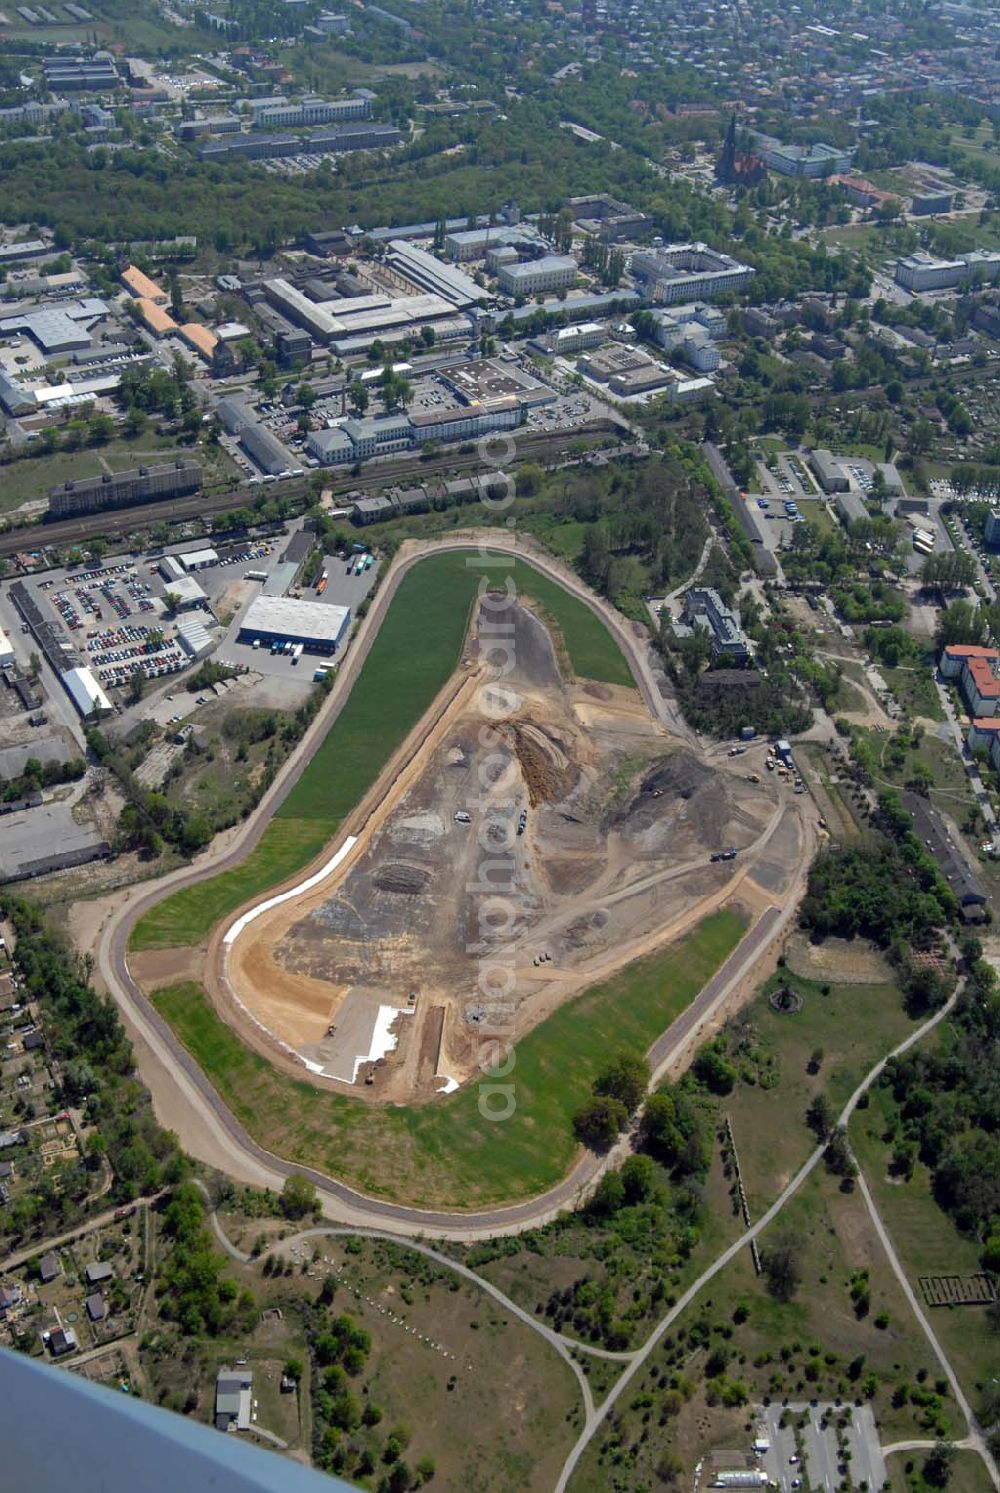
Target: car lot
806, 1451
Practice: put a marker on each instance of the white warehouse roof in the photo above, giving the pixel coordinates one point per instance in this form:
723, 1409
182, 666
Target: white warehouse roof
282, 616
6, 648
85, 692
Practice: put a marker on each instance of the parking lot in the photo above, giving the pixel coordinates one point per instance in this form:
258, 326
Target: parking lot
811, 1455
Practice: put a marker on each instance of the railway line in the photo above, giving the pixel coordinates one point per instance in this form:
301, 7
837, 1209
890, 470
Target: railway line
120, 522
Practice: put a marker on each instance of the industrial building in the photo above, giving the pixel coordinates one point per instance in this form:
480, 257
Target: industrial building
6, 650
99, 74
689, 272
348, 317
473, 243
176, 479
423, 270
87, 695
266, 452
829, 473
926, 204
14, 399
319, 627
30, 248
551, 272
922, 271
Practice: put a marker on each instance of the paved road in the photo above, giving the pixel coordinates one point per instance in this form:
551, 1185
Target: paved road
204, 1123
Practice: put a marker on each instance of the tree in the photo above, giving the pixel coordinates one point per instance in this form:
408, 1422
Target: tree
359, 396
819, 1116
711, 1069
637, 1179
599, 1121
939, 1463
299, 1197
961, 623
660, 1131
626, 1079
782, 1267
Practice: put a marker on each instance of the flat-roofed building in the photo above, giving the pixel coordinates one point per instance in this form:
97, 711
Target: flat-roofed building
551, 272
689, 272
319, 626
922, 271
174, 479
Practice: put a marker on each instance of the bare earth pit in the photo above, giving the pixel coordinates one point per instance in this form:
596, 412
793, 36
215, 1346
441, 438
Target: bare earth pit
378, 977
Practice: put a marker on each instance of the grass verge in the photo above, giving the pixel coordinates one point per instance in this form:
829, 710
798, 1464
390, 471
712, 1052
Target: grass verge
445, 1154
189, 915
417, 648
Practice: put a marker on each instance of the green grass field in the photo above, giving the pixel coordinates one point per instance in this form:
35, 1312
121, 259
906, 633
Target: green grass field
190, 915
417, 649
446, 1154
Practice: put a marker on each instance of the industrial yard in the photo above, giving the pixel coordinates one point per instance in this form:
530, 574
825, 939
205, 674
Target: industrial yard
602, 825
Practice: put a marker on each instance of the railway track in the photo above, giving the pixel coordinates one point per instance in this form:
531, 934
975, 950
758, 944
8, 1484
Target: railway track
120, 522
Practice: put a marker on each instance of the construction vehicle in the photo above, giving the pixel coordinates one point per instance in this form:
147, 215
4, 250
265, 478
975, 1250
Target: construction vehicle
321, 584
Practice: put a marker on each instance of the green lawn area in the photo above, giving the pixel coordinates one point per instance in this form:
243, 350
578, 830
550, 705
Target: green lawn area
851, 1027
417, 648
913, 686
189, 915
445, 1153
33, 477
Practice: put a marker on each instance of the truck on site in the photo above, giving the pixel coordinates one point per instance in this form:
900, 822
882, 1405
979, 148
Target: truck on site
322, 670
321, 583
358, 547
369, 561
297, 652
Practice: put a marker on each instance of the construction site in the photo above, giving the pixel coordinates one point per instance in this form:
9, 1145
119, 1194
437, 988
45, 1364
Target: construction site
530, 841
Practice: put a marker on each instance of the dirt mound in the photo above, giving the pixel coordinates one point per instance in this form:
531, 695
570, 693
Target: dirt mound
548, 772
397, 876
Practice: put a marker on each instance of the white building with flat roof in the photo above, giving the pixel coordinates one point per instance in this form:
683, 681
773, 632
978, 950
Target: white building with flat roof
6, 650
87, 695
922, 271
551, 272
319, 626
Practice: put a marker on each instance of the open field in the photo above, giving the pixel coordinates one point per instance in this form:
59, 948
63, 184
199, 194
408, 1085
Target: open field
395, 687
32, 478
913, 686
927, 1243
445, 1153
830, 796
567, 801
738, 1343
773, 1052
968, 1473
